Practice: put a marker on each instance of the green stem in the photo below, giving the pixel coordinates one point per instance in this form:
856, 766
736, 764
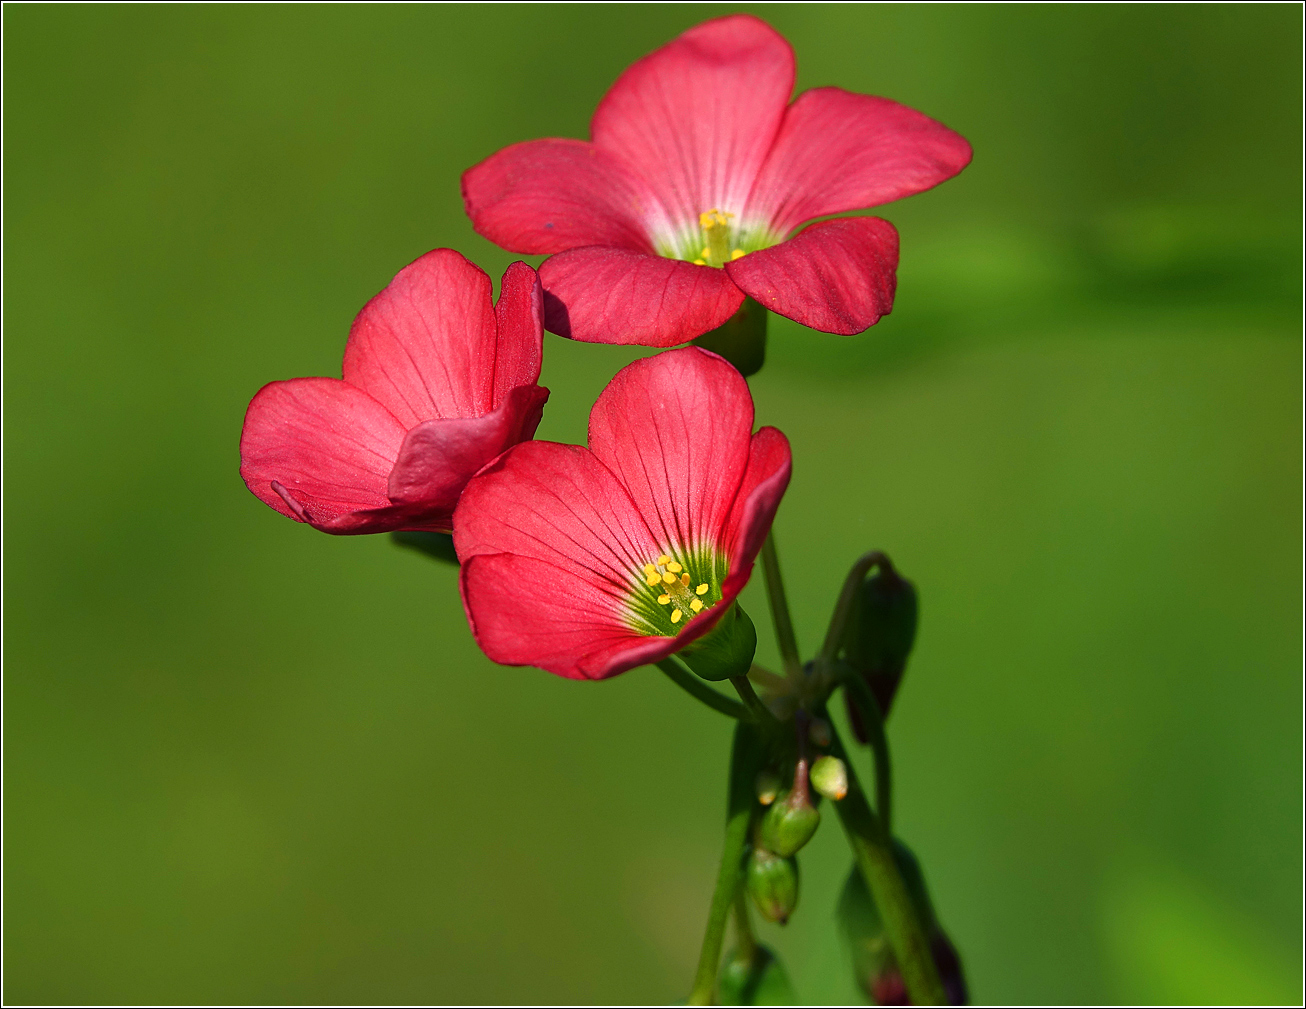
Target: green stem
873, 853
747, 941
873, 722
844, 607
691, 684
784, 626
744, 759
759, 711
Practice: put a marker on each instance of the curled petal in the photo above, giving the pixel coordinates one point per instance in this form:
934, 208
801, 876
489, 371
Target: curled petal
318, 449
675, 428
438, 457
770, 464
838, 151
836, 276
603, 295
519, 342
544, 196
697, 117
424, 347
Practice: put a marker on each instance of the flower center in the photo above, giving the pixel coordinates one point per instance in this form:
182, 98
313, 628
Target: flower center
716, 250
671, 595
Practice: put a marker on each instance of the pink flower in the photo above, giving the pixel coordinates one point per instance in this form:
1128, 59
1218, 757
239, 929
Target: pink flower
591, 561
698, 172
438, 380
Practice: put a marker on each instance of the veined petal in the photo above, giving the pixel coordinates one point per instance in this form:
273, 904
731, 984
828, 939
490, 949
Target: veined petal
560, 505
519, 342
544, 196
325, 444
424, 347
838, 151
522, 615
603, 295
836, 276
438, 457
675, 429
697, 117
770, 464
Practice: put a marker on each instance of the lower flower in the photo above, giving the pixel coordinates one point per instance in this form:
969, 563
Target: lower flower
587, 562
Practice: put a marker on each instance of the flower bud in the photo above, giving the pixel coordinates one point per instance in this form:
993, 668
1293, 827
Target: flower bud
772, 882
879, 636
726, 650
767, 785
791, 820
830, 777
741, 339
759, 979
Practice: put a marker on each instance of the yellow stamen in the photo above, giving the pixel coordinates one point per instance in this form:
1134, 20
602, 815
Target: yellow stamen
699, 262
674, 568
706, 252
663, 559
649, 569
675, 616
684, 579
701, 590
663, 599
696, 605
653, 579
669, 578
737, 254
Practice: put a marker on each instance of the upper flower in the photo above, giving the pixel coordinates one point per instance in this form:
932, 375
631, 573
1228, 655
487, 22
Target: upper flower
697, 173
438, 380
591, 561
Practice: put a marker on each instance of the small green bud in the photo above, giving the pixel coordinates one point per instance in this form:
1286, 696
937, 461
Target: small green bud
791, 821
830, 777
759, 979
772, 882
767, 785
726, 650
741, 339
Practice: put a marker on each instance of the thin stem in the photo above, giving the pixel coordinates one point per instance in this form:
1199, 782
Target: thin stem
686, 680
744, 758
873, 721
759, 711
784, 626
842, 609
873, 852
747, 948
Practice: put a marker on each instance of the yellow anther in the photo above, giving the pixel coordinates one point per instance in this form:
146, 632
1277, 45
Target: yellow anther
700, 262
706, 252
701, 590
663, 599
675, 616
713, 219
684, 579
649, 569
674, 568
669, 578
696, 604
653, 579
663, 559
737, 254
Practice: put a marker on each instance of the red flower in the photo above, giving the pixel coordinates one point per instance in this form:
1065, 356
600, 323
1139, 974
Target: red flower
438, 380
696, 175
591, 561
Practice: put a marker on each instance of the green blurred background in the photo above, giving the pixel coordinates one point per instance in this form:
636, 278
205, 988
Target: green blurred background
246, 762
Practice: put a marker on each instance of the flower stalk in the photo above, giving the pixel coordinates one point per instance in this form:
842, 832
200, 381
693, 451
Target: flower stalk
784, 627
694, 686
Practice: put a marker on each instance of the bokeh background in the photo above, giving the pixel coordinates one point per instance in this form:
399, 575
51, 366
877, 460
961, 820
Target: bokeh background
247, 762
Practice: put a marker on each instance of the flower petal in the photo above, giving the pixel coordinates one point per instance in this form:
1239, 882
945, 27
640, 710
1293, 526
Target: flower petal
838, 151
603, 295
836, 276
327, 445
770, 464
520, 616
544, 196
424, 347
697, 117
560, 505
438, 457
519, 343
675, 430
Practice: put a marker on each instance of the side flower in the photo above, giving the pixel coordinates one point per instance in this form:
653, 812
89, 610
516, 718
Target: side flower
587, 562
688, 195
438, 380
